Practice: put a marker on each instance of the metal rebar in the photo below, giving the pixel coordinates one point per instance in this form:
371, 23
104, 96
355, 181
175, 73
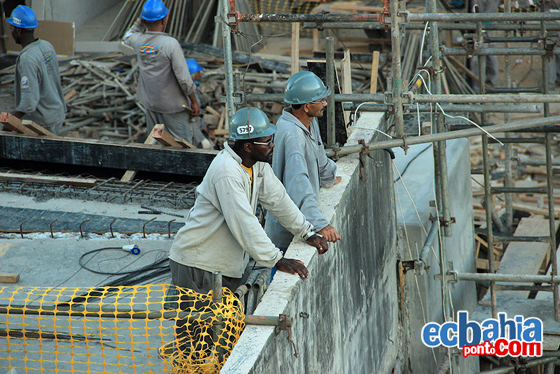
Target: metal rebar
169, 227
144, 227
331, 114
111, 227
81, 232
21, 228
481, 17
51, 224
497, 51
442, 26
498, 190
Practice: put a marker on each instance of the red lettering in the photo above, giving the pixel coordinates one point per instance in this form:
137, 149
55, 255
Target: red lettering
514, 348
501, 347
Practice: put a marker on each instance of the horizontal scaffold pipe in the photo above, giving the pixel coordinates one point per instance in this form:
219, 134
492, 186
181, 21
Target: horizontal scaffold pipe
498, 51
506, 127
379, 97
482, 17
550, 26
488, 99
521, 278
452, 108
309, 17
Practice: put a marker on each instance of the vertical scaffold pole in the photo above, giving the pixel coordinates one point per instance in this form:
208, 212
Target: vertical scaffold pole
396, 68
331, 119
228, 60
552, 223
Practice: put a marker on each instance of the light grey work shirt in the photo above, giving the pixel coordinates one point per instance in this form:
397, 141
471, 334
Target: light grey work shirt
301, 164
38, 92
222, 231
165, 81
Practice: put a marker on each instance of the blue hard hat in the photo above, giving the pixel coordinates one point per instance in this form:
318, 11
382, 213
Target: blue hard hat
154, 10
23, 17
193, 65
250, 123
305, 87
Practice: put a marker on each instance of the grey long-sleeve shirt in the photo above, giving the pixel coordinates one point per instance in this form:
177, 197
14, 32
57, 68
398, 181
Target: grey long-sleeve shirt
222, 231
38, 92
301, 164
165, 81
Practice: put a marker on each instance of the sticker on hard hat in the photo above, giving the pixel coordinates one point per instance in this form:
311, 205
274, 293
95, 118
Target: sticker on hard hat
242, 130
17, 21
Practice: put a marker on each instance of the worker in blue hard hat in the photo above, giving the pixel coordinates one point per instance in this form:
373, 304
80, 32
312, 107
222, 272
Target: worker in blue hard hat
198, 124
165, 85
300, 161
38, 92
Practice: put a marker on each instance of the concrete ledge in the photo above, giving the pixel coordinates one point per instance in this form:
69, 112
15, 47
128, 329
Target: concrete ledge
345, 314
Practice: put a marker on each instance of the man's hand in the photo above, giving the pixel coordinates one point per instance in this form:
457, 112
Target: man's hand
196, 109
337, 180
291, 266
318, 242
330, 234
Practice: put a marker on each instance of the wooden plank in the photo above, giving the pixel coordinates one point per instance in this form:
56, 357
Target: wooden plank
37, 129
12, 123
346, 77
374, 71
95, 153
523, 257
483, 264
315, 40
70, 95
9, 277
534, 210
130, 174
295, 47
45, 179
183, 143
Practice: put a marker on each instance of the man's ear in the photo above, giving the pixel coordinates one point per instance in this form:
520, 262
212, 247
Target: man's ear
248, 147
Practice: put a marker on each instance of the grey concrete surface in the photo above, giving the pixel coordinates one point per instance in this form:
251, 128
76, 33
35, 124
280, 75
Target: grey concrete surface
346, 313
78, 12
423, 295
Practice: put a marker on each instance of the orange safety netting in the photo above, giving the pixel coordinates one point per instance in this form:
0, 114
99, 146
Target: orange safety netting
137, 329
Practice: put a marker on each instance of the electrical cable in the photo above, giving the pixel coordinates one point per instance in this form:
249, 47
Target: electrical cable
144, 268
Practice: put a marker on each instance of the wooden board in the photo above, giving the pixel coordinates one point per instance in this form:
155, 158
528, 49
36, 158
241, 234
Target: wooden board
94, 153
12, 123
130, 174
45, 179
59, 34
9, 277
523, 257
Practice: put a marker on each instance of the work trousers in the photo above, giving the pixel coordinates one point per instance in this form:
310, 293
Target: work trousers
177, 124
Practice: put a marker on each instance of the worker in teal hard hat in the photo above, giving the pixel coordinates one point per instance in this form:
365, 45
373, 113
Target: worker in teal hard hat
165, 86
300, 161
38, 92
222, 232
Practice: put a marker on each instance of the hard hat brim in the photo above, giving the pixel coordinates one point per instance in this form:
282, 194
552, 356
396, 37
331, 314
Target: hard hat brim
11, 22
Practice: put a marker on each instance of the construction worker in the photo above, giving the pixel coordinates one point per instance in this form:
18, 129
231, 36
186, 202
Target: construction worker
198, 124
38, 92
299, 159
221, 230
165, 83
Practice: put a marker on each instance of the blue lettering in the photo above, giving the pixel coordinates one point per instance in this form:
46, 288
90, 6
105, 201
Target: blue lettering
533, 330
444, 335
464, 326
519, 326
430, 335
491, 330
505, 323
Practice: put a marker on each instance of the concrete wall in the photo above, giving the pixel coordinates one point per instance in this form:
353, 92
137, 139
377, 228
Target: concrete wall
422, 291
346, 313
77, 11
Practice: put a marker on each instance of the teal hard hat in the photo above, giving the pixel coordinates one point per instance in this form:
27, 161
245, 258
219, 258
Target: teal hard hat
154, 10
193, 65
305, 87
250, 123
23, 17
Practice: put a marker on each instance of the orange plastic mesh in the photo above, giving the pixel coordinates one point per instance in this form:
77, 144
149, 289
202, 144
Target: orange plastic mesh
116, 330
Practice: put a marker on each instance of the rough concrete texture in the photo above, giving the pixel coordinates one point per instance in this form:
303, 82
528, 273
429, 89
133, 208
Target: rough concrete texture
78, 12
346, 313
423, 295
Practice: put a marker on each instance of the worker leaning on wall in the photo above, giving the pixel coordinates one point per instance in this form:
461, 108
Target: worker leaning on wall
38, 92
165, 84
299, 160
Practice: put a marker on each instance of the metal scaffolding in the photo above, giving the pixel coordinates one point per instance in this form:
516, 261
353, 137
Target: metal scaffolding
397, 100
